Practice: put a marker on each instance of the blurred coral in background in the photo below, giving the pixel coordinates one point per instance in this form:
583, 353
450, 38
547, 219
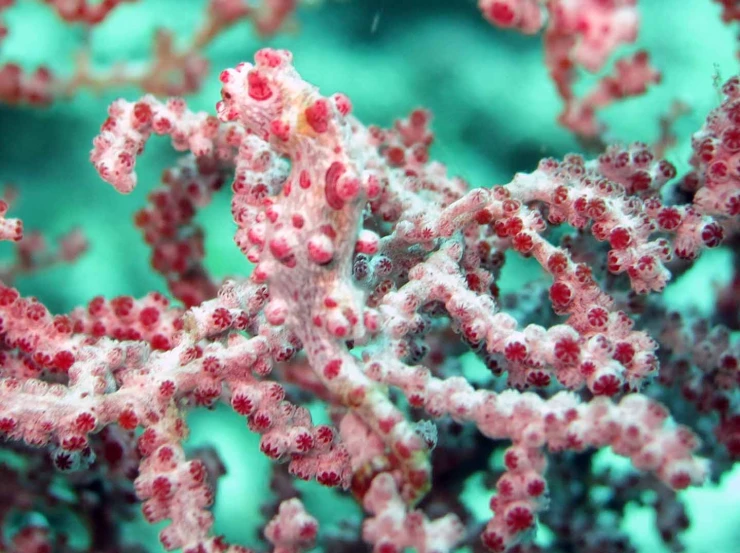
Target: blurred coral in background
424, 361
171, 70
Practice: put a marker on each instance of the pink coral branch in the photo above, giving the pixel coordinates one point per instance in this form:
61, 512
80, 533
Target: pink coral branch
301, 223
362, 248
581, 34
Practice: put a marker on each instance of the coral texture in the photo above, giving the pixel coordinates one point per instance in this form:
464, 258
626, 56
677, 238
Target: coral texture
372, 272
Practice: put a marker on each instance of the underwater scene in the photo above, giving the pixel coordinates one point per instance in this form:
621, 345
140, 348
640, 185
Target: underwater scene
383, 276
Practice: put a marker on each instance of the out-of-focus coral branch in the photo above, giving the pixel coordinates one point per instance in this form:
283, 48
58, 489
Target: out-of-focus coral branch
172, 70
32, 252
581, 34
